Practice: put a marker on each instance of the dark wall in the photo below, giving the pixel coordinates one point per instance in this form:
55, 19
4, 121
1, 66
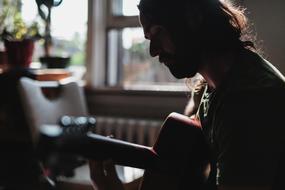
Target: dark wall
269, 24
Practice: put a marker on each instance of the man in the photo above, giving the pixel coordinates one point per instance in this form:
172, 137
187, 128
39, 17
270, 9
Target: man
240, 110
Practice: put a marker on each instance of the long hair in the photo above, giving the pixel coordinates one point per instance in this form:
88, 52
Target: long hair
215, 24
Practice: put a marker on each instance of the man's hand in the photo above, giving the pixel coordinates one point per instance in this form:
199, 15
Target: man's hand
104, 176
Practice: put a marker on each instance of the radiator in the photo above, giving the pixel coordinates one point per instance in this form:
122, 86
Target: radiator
137, 131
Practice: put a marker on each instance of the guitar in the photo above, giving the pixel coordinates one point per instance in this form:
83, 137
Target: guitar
180, 153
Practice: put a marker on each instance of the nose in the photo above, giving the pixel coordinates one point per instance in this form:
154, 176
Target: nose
154, 48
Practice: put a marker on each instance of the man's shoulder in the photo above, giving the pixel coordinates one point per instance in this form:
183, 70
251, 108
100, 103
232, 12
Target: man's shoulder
255, 74
264, 75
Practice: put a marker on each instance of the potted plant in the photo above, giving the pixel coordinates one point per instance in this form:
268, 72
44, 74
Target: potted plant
18, 37
49, 60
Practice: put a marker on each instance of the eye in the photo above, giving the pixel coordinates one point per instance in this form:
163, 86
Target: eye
156, 30
153, 32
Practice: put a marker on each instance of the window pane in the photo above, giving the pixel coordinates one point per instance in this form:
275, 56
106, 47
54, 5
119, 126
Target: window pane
130, 52
68, 28
125, 7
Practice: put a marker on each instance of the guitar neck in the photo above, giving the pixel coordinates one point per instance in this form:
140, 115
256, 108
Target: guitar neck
121, 152
98, 147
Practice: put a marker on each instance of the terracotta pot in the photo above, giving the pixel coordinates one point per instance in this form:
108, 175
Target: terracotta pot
19, 53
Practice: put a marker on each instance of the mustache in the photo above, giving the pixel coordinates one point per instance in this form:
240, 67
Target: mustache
166, 56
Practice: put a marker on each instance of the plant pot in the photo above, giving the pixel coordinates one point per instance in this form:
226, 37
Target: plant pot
19, 53
55, 61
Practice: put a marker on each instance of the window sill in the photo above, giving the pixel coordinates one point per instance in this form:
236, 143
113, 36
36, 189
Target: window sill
171, 90
134, 102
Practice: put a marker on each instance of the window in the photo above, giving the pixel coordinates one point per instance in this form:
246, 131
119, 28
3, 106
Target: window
116, 52
128, 60
68, 28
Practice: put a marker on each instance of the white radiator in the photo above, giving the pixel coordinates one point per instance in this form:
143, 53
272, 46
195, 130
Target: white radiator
137, 131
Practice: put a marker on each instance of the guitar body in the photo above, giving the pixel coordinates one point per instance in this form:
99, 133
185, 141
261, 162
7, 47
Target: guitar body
176, 161
184, 152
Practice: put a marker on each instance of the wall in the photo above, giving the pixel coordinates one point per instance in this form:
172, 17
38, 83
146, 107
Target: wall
269, 23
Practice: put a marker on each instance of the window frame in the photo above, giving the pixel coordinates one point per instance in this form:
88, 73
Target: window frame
100, 21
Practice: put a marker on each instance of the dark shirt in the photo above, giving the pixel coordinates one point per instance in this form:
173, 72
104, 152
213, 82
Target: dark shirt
243, 121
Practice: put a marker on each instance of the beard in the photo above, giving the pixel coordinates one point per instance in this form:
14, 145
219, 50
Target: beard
186, 60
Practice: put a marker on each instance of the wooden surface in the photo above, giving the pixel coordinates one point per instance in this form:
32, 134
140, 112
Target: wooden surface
42, 74
51, 74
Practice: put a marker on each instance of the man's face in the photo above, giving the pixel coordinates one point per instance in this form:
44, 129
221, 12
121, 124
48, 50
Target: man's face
175, 53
